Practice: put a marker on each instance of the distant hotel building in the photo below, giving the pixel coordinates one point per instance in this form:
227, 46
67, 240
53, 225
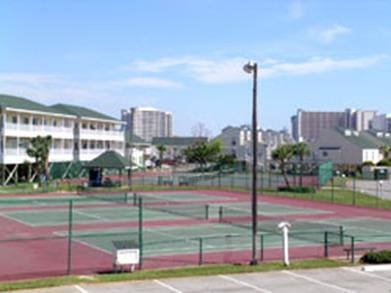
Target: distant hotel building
307, 125
147, 123
78, 134
237, 141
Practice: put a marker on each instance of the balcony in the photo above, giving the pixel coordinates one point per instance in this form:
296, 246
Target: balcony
101, 134
29, 130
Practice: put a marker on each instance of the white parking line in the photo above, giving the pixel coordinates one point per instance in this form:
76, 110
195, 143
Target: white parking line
79, 288
368, 274
165, 285
312, 280
244, 284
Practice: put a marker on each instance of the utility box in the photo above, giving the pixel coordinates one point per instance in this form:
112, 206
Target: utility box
126, 255
381, 174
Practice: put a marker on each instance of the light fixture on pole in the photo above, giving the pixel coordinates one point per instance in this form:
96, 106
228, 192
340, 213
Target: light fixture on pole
252, 67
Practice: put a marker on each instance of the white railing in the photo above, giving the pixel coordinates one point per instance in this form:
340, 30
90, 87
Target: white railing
38, 128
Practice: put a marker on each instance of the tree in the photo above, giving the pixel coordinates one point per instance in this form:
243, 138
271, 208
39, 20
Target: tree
200, 130
161, 149
385, 150
203, 152
39, 149
282, 155
301, 150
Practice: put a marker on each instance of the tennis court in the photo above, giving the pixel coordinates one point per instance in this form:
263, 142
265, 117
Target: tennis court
75, 233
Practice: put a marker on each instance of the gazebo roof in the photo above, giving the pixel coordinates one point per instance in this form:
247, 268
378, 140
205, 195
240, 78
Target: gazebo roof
109, 160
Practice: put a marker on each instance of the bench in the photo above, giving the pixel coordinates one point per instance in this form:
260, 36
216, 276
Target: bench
365, 249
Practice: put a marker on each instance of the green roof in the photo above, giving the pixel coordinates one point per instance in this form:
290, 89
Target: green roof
365, 139
8, 101
135, 139
108, 160
177, 140
81, 112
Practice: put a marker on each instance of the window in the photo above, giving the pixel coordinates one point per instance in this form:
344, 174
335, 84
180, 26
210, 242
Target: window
100, 144
25, 120
92, 145
84, 125
37, 121
325, 154
14, 119
55, 122
84, 145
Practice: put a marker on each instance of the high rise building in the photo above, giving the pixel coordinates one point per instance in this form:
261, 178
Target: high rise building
306, 125
147, 122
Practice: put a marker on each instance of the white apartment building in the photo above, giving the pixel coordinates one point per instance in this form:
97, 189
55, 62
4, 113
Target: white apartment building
382, 123
78, 134
147, 122
237, 141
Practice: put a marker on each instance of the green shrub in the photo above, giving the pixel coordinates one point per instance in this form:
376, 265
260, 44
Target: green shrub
384, 162
298, 189
378, 257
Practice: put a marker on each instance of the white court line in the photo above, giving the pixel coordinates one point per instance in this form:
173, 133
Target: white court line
80, 289
244, 284
94, 216
165, 285
16, 220
368, 274
312, 280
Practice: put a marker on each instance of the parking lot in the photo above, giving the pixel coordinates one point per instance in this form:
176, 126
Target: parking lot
346, 279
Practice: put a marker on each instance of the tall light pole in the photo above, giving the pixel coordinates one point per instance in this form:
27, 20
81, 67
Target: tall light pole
252, 67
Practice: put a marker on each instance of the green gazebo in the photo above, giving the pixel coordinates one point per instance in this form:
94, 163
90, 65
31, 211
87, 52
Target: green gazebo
107, 160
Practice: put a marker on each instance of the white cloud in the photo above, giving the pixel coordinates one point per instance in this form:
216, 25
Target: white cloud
218, 71
149, 82
319, 65
296, 10
328, 35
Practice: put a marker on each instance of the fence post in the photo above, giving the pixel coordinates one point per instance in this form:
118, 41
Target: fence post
326, 244
354, 191
201, 252
352, 247
140, 231
70, 228
232, 181
219, 178
261, 245
270, 179
206, 212
332, 189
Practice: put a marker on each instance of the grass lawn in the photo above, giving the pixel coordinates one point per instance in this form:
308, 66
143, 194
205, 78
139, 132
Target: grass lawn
170, 273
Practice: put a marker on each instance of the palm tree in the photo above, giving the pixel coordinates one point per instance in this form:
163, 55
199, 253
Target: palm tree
385, 150
39, 149
301, 150
161, 149
282, 155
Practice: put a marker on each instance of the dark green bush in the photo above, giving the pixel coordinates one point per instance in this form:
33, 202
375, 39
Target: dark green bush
298, 189
378, 257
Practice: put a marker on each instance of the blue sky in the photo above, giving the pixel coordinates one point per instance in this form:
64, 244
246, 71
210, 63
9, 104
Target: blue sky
186, 56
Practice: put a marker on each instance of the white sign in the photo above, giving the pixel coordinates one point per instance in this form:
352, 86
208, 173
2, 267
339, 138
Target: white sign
126, 257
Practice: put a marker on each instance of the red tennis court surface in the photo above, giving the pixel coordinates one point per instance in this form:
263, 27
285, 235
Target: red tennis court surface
29, 251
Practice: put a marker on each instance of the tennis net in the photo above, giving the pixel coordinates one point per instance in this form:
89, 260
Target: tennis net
175, 207
307, 230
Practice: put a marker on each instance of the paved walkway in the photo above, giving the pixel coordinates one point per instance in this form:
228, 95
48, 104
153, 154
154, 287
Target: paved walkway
318, 281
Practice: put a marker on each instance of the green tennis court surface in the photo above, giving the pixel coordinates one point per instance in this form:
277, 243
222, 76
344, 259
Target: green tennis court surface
114, 213
174, 240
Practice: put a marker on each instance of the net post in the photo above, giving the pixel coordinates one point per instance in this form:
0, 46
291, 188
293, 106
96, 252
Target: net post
261, 245
206, 212
140, 231
220, 214
219, 177
70, 230
341, 235
326, 244
134, 199
201, 252
352, 247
